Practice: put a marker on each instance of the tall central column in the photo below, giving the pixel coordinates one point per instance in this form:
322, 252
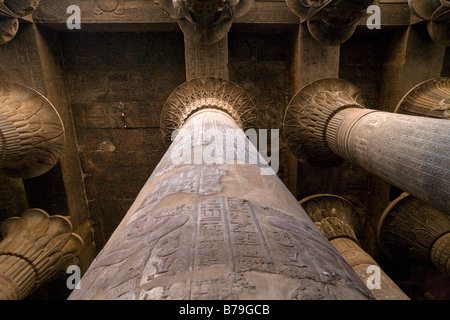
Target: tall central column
211, 224
327, 122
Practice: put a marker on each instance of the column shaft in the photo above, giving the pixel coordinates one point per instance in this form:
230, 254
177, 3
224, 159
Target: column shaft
326, 122
207, 228
362, 262
339, 221
412, 153
412, 231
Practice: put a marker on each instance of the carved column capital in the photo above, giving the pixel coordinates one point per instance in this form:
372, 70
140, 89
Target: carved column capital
338, 219
205, 21
335, 216
206, 92
325, 122
18, 8
410, 230
35, 248
331, 22
335, 228
31, 132
8, 29
430, 98
308, 115
10, 10
437, 15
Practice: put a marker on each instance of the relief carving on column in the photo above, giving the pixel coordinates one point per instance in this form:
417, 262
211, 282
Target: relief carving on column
331, 22
437, 15
206, 92
10, 11
31, 132
430, 98
307, 117
205, 21
34, 249
411, 230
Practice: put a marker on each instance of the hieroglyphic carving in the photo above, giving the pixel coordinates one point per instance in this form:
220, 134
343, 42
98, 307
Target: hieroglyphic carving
205, 92
430, 98
10, 10
308, 114
330, 22
208, 237
205, 21
189, 236
411, 230
396, 148
35, 248
206, 60
31, 132
437, 15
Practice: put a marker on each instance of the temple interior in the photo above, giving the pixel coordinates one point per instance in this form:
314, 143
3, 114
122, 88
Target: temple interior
110, 77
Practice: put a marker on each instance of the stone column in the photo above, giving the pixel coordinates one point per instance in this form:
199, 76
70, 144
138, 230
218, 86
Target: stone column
214, 221
31, 132
35, 248
10, 11
437, 15
339, 221
331, 22
327, 122
205, 21
412, 231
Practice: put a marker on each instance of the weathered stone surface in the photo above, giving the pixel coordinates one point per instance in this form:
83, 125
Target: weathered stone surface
10, 11
331, 22
8, 29
205, 21
217, 231
437, 15
206, 92
18, 8
206, 60
35, 248
308, 115
430, 98
31, 131
411, 230
339, 221
406, 151
116, 106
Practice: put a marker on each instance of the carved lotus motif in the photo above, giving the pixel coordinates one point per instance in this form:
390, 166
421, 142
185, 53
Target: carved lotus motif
31, 130
35, 248
205, 21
